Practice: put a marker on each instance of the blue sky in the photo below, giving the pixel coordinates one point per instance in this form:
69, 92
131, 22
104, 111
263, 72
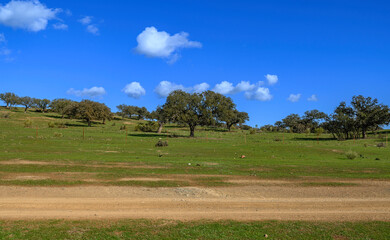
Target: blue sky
330, 49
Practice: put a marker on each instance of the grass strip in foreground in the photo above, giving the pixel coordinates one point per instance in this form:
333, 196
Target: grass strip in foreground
165, 229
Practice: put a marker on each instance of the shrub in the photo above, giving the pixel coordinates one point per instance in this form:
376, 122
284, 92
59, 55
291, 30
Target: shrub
56, 134
51, 124
5, 115
27, 123
246, 127
161, 143
277, 139
252, 131
147, 127
351, 154
380, 145
123, 127
60, 125
113, 124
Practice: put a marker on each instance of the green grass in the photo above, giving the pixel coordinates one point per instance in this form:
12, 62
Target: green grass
105, 147
162, 229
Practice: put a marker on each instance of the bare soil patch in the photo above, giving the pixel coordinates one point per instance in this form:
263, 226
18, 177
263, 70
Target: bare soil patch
272, 200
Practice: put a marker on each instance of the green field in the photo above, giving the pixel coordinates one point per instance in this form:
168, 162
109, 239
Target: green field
105, 153
144, 229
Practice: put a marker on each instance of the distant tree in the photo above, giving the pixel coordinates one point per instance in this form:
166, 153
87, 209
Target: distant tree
190, 109
27, 102
312, 119
235, 117
280, 126
89, 111
60, 105
161, 116
142, 112
132, 111
41, 104
369, 114
294, 123
342, 123
9, 98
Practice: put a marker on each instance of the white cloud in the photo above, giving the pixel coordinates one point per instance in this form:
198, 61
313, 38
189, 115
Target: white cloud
91, 92
272, 79
153, 43
60, 26
260, 94
312, 98
2, 38
164, 88
85, 20
224, 88
134, 90
294, 97
30, 15
199, 88
244, 86
227, 88
93, 29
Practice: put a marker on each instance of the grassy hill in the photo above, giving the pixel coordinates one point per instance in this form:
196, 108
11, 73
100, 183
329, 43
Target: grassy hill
103, 154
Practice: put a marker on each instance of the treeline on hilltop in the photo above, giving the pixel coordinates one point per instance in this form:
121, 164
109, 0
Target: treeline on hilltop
86, 110
213, 109
346, 122
190, 109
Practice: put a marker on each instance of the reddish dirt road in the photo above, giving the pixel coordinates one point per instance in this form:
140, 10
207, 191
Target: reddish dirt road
369, 200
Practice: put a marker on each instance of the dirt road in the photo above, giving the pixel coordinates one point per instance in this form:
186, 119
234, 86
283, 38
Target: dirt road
369, 200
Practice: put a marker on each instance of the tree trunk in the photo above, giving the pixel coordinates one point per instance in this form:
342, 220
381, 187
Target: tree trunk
364, 133
229, 127
25, 109
192, 131
89, 123
160, 127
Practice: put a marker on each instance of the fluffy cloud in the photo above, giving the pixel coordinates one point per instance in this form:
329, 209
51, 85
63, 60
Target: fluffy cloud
30, 15
224, 88
60, 26
91, 28
227, 88
312, 98
134, 90
86, 20
91, 92
260, 94
153, 43
244, 86
294, 97
272, 79
2, 38
164, 88
199, 88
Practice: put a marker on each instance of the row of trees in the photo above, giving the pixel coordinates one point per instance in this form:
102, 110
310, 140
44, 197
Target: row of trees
133, 112
191, 109
11, 99
347, 121
86, 110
